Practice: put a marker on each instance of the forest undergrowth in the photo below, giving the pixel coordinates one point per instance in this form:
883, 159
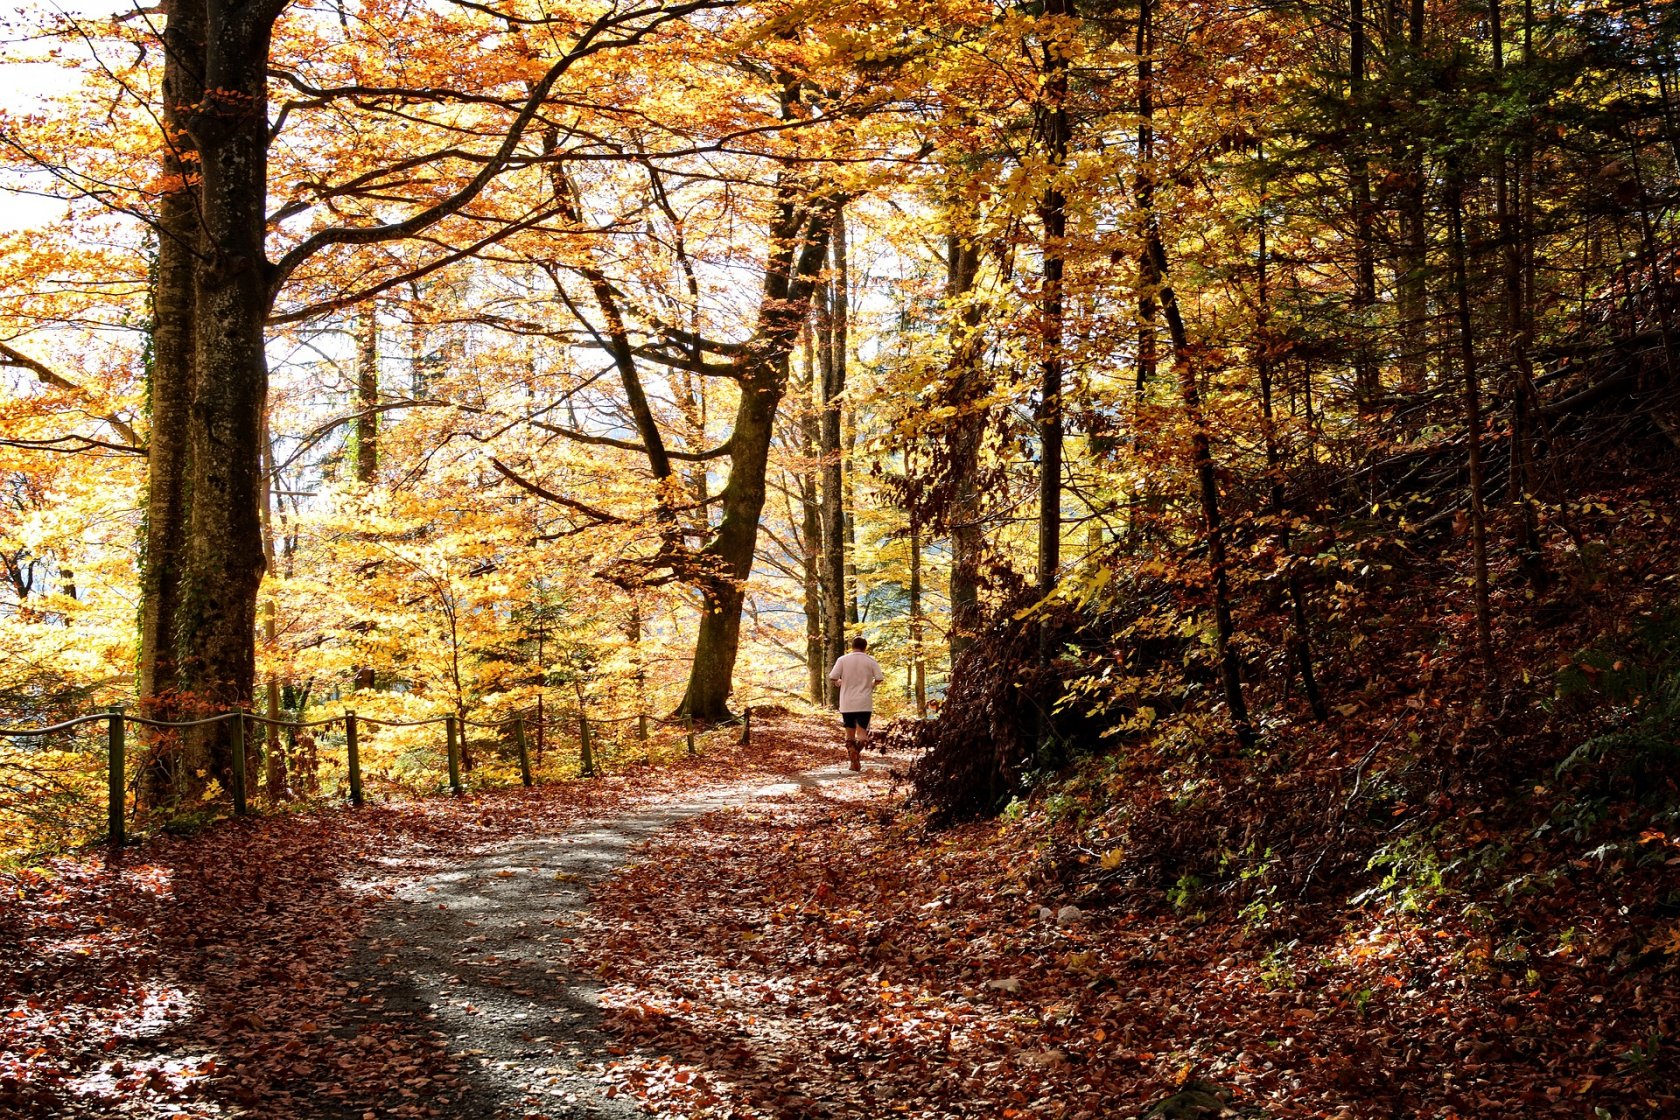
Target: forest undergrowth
1460, 897
202, 975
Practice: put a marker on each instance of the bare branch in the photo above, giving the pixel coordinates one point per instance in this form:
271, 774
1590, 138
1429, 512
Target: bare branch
47, 376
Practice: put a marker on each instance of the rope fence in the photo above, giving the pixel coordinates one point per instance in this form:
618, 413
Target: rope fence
455, 727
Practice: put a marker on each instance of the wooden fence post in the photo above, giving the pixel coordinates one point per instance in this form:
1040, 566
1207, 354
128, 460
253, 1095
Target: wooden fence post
524, 755
587, 759
239, 763
454, 746
353, 758
118, 777
690, 720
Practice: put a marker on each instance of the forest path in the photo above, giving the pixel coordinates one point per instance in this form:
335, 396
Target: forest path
481, 953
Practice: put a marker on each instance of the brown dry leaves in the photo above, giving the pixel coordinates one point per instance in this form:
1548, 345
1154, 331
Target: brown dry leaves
822, 957
202, 976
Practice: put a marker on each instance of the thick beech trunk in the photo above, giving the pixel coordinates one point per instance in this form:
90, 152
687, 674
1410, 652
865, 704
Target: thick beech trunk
169, 395
204, 554
799, 244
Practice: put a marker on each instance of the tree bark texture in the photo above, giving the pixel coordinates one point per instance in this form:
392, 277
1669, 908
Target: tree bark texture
169, 392
204, 554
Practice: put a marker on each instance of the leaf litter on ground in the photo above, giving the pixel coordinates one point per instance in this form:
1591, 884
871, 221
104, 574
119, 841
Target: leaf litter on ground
204, 976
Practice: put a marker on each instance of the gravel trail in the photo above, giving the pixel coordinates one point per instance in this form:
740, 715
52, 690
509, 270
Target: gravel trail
480, 952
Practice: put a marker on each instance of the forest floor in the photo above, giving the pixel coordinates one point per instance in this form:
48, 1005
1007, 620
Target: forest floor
406, 959
758, 933
825, 954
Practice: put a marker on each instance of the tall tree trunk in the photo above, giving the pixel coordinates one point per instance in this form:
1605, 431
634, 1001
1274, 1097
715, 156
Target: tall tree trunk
840, 316
831, 358
170, 386
1201, 451
1143, 190
1472, 422
917, 624
1366, 375
1155, 268
1525, 530
367, 394
799, 244
1301, 638
1413, 281
203, 640
964, 396
811, 528
1052, 212
367, 422
274, 773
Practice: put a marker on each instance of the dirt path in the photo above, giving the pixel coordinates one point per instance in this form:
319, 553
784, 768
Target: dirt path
480, 953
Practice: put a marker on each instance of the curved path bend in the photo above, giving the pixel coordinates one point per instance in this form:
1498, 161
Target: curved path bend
481, 952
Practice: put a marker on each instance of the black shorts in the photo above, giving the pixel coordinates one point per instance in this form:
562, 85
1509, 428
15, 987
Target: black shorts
856, 719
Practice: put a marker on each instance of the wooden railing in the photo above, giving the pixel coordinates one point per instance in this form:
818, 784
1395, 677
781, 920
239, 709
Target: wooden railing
454, 724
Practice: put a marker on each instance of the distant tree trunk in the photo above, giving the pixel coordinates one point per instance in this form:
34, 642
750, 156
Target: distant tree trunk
367, 394
1366, 375
799, 243
811, 529
1301, 639
831, 357
1201, 450
1413, 281
367, 421
274, 774
966, 390
1052, 212
1472, 421
840, 314
1155, 271
917, 625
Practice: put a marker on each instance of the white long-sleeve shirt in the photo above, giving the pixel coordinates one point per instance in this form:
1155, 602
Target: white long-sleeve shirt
857, 674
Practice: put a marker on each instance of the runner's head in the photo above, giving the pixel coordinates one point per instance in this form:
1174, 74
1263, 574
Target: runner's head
859, 644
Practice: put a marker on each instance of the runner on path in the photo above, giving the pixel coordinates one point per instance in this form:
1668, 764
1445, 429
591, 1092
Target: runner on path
856, 674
